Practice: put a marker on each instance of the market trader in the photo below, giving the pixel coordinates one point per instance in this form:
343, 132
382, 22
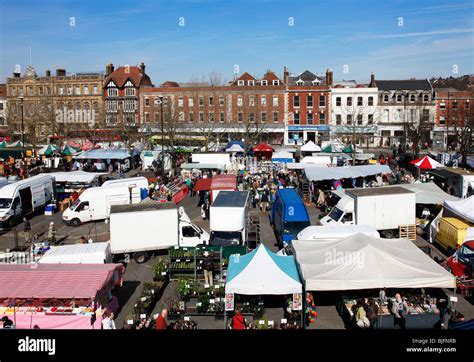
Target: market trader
399, 311
208, 266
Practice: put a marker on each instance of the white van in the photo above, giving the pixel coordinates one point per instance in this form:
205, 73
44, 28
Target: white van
24, 197
326, 233
94, 203
138, 182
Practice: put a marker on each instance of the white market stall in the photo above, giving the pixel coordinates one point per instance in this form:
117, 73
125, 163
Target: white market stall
90, 253
360, 264
282, 157
310, 146
337, 173
262, 272
462, 208
354, 263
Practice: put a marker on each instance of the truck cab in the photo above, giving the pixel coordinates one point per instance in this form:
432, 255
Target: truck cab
341, 214
461, 263
190, 235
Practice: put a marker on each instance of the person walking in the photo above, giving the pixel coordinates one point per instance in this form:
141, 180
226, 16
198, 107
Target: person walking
208, 267
108, 323
265, 199
161, 321
373, 314
51, 233
399, 311
26, 229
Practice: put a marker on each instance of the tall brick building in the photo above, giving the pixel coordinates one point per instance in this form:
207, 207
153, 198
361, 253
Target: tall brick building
308, 106
122, 88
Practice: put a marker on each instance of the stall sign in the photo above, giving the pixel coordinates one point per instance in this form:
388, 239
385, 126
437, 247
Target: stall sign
297, 305
229, 301
181, 305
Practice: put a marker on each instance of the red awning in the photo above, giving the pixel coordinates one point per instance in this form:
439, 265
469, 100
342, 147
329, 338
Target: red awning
180, 195
65, 281
203, 184
262, 147
224, 182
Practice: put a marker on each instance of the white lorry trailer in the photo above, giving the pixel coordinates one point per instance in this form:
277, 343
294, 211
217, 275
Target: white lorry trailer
24, 197
384, 208
140, 229
228, 218
90, 253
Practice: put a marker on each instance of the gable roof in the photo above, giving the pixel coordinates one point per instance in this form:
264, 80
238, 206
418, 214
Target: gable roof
120, 76
270, 76
408, 84
169, 83
244, 76
307, 77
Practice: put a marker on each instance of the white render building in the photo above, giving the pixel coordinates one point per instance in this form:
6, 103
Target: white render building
354, 113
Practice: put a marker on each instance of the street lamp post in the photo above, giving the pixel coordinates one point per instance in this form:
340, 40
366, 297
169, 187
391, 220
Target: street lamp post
162, 141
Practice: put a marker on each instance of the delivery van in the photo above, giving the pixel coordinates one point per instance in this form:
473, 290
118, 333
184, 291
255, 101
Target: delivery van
288, 215
24, 197
94, 203
452, 233
138, 182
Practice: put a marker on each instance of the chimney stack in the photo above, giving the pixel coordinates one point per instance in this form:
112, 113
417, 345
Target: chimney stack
372, 81
60, 72
286, 75
142, 68
48, 73
329, 77
109, 68
16, 75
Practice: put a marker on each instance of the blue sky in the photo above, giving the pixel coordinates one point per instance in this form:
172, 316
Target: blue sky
255, 35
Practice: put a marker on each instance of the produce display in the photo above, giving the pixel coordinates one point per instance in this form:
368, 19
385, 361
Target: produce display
182, 265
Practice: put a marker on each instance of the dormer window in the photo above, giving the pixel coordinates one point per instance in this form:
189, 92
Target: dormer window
299, 82
264, 82
251, 82
316, 82
426, 98
412, 98
276, 82
399, 98
385, 98
240, 82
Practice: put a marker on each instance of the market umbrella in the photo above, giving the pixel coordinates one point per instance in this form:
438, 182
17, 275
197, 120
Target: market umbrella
310, 146
3, 144
235, 148
327, 149
48, 150
15, 144
263, 150
426, 163
69, 150
348, 149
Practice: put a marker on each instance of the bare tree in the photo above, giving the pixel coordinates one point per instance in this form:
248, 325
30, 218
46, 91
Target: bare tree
418, 127
464, 131
251, 119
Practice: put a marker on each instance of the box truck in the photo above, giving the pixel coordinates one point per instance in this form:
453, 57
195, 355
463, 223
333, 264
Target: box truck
288, 215
94, 203
385, 208
24, 197
229, 218
91, 253
140, 229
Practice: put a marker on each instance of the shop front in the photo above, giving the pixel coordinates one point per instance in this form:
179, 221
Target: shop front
299, 134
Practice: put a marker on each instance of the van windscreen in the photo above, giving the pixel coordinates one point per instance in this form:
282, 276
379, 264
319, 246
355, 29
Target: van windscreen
336, 214
74, 204
294, 227
5, 203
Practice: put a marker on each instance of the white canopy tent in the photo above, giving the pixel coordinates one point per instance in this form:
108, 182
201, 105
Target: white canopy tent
77, 176
320, 160
262, 272
365, 262
91, 253
310, 147
235, 148
463, 208
337, 173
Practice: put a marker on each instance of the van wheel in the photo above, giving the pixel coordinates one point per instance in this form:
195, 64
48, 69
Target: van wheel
140, 257
75, 222
389, 234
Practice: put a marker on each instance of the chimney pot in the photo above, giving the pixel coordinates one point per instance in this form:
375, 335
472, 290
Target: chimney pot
48, 73
142, 68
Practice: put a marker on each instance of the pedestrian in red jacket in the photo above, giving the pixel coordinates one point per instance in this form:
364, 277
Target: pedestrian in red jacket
161, 320
238, 321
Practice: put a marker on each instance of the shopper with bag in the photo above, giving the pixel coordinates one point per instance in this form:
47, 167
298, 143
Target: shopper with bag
399, 311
